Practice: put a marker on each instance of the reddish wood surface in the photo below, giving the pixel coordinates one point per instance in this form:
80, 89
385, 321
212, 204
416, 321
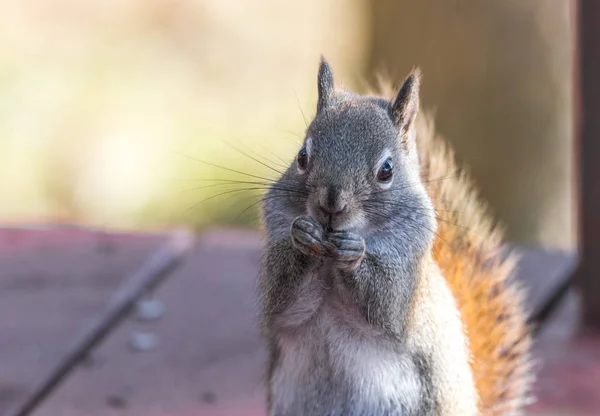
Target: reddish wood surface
210, 359
588, 152
569, 379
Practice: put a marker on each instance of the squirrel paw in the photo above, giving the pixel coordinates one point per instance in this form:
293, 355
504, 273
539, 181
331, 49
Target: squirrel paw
308, 236
347, 249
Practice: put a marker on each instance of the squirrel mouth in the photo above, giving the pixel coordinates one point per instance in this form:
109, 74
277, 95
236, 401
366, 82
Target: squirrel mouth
326, 221
329, 224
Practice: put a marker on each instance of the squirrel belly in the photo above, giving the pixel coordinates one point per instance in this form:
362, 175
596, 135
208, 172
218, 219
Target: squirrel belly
332, 361
336, 364
381, 287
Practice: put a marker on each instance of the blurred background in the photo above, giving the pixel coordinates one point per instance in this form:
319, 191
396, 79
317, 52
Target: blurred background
105, 104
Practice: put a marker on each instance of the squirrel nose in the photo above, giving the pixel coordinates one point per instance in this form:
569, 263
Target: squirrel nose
332, 202
332, 209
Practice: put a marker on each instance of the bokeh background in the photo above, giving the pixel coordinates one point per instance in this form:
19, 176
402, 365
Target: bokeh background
105, 104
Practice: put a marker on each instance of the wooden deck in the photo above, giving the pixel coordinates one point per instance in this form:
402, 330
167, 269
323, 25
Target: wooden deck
209, 359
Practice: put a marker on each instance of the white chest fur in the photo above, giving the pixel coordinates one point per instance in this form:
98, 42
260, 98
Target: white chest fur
325, 339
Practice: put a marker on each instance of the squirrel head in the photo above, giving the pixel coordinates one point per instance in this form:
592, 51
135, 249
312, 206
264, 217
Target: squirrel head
358, 166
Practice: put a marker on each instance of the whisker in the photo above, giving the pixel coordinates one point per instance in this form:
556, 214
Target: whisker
263, 186
300, 108
253, 158
224, 168
413, 183
263, 198
393, 203
296, 135
233, 191
406, 220
223, 181
454, 224
381, 204
216, 196
437, 217
455, 172
248, 208
286, 164
420, 209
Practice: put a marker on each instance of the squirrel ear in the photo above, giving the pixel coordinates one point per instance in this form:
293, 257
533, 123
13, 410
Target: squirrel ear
326, 85
406, 104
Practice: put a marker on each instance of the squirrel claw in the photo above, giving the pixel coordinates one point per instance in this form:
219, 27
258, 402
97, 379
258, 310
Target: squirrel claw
307, 236
347, 249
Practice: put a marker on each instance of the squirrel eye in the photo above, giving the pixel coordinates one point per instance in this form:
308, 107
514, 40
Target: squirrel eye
302, 158
386, 172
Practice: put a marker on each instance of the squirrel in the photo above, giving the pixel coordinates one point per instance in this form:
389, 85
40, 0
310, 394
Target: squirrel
381, 286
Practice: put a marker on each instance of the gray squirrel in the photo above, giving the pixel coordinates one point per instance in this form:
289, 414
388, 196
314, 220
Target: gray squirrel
358, 317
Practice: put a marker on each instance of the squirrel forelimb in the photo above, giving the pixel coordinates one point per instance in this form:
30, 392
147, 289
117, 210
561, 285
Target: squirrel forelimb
346, 249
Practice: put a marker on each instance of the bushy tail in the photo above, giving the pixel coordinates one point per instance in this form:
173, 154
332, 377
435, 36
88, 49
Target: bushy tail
490, 301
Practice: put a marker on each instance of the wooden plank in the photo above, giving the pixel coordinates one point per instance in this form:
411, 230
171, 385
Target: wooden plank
209, 359
588, 152
119, 307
